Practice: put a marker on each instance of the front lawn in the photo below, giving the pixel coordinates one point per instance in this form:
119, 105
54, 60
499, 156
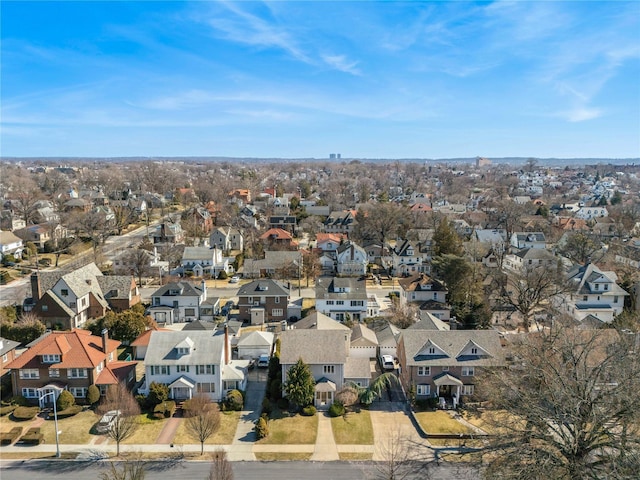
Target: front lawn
440, 422
147, 431
353, 428
492, 421
224, 435
282, 456
286, 429
74, 430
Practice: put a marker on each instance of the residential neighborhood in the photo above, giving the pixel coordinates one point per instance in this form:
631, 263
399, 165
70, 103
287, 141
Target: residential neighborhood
404, 296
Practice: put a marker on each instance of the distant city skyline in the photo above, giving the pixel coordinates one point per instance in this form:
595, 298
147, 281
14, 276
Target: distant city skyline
307, 79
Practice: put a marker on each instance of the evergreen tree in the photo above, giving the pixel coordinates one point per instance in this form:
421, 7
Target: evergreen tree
300, 385
446, 240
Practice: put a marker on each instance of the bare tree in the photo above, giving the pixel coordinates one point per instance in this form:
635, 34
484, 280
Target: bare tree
401, 459
566, 408
403, 315
125, 423
203, 419
129, 469
221, 468
582, 247
139, 261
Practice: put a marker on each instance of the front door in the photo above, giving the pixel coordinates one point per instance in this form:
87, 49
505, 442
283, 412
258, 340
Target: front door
324, 399
445, 391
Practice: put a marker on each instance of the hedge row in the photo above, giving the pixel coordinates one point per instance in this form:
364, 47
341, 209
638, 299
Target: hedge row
25, 413
68, 412
6, 409
164, 409
11, 436
33, 436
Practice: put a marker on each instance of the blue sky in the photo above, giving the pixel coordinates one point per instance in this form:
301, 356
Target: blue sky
305, 79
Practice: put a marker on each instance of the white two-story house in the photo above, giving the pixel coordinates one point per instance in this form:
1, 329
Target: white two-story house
193, 362
351, 259
410, 258
342, 298
183, 302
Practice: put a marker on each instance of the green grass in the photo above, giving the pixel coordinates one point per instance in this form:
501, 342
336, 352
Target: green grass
147, 431
286, 429
353, 429
75, 430
440, 422
224, 435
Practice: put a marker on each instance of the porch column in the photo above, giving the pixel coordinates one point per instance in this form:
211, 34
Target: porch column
437, 390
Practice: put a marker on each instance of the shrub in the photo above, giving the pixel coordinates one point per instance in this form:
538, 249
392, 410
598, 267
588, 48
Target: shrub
6, 409
222, 275
283, 404
19, 400
65, 400
275, 389
142, 401
336, 409
164, 409
262, 427
33, 436
233, 401
93, 395
158, 393
309, 411
7, 438
68, 412
22, 414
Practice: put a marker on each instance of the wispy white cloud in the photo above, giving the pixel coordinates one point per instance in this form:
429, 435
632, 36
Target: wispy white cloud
342, 63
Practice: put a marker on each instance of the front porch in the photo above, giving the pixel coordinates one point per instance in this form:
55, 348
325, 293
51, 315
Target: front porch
447, 391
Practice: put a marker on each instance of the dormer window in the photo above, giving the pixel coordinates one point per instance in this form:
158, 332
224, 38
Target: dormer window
51, 358
474, 351
64, 292
183, 350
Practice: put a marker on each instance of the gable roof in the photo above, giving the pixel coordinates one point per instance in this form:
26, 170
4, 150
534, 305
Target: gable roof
313, 346
421, 282
207, 348
264, 287
186, 289
363, 336
79, 349
256, 339
319, 321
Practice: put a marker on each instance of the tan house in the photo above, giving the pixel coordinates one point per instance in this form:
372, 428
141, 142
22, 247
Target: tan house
70, 361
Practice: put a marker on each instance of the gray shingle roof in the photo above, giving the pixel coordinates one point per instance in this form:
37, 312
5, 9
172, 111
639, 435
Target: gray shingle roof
357, 368
207, 348
314, 346
319, 321
263, 287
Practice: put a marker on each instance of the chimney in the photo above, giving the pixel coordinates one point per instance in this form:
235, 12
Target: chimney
36, 289
203, 285
105, 341
226, 345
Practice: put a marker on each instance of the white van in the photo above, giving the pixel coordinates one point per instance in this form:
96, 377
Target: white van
107, 419
263, 361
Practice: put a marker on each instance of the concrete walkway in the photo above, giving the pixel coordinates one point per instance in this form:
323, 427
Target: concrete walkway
242, 447
325, 448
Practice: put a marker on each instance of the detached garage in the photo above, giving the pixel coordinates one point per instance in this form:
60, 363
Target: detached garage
255, 344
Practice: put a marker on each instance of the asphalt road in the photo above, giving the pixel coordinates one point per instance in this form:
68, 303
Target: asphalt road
175, 468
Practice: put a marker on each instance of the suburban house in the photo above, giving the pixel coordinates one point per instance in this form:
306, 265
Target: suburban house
200, 218
285, 222
277, 237
41, 233
329, 242
205, 261
226, 239
7, 353
528, 240
66, 300
326, 352
71, 361
279, 263
193, 362
263, 301
168, 233
410, 258
443, 364
10, 244
340, 222
351, 259
178, 302
420, 288
342, 298
529, 258
587, 213
10, 220
388, 337
593, 293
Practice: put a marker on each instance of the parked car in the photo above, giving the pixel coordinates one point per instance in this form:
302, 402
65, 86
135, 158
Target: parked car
263, 361
234, 279
107, 420
387, 363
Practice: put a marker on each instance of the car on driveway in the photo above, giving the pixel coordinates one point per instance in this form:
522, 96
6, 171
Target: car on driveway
387, 363
106, 421
234, 279
263, 361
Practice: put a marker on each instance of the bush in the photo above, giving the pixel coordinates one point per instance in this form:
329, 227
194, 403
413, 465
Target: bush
262, 427
93, 395
266, 406
222, 275
6, 409
33, 437
65, 400
336, 409
283, 404
164, 409
233, 401
275, 389
158, 393
7, 438
426, 403
22, 414
309, 411
142, 401
67, 412
19, 400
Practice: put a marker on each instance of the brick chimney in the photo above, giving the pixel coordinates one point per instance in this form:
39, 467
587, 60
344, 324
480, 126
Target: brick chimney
36, 289
105, 342
226, 345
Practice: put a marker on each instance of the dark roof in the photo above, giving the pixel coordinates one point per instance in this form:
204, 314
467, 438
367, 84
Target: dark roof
264, 287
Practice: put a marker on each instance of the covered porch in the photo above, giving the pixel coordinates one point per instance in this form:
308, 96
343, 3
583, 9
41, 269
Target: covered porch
447, 390
325, 391
182, 388
45, 396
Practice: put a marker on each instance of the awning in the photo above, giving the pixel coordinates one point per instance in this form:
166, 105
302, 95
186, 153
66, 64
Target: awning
447, 380
183, 382
325, 385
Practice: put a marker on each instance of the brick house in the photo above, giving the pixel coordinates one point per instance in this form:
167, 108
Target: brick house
7, 354
71, 361
262, 301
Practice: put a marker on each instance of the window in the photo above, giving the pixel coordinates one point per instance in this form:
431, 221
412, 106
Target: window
54, 372
77, 372
585, 298
597, 287
432, 350
156, 301
190, 312
329, 369
357, 303
277, 312
467, 390
606, 286
423, 389
205, 369
468, 371
29, 373
64, 292
445, 369
339, 302
615, 299
277, 300
183, 368
29, 393
424, 371
183, 350
160, 370
78, 392
5, 357
474, 351
84, 302
330, 302
435, 295
45, 308
50, 358
205, 387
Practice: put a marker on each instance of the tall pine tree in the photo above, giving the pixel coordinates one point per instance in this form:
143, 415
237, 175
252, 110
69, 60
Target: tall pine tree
300, 385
